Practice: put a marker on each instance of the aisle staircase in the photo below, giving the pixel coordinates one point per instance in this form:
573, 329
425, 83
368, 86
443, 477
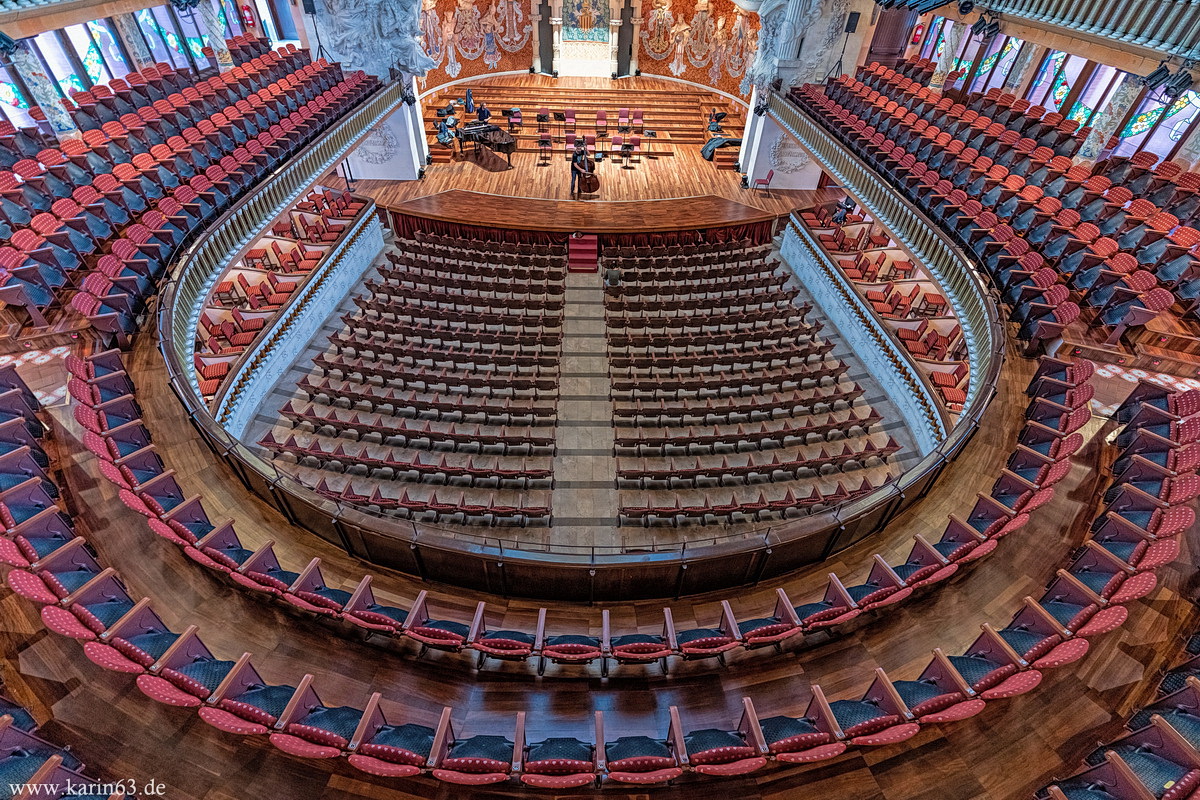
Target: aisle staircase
583, 253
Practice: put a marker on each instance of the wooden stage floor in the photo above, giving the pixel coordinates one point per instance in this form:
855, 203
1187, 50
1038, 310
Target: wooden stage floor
684, 173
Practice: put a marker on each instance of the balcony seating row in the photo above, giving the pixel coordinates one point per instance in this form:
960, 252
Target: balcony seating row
82, 599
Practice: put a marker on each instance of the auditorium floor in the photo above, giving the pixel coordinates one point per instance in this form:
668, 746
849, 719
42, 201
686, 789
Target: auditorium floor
1010, 749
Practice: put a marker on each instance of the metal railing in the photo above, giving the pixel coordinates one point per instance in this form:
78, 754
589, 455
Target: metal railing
504, 564
1170, 27
965, 287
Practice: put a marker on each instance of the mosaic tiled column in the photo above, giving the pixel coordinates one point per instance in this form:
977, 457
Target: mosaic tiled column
45, 94
1105, 125
1020, 68
214, 31
945, 64
130, 32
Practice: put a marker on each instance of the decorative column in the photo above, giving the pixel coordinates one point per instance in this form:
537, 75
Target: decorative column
45, 93
129, 31
945, 64
214, 31
556, 56
1020, 69
614, 28
1105, 126
535, 18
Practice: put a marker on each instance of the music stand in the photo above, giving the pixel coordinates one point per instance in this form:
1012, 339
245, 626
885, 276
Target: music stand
650, 137
561, 118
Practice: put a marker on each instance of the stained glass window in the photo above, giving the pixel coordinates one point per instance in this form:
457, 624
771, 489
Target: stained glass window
1004, 63
154, 35
933, 39
89, 54
105, 39
1095, 95
162, 24
1046, 74
1173, 125
16, 105
998, 46
189, 22
61, 68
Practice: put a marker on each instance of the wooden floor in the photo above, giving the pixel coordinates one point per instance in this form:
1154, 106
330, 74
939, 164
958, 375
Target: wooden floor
1004, 753
684, 173
623, 216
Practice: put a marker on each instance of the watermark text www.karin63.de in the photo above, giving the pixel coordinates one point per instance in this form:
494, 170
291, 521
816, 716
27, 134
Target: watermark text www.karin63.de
69, 788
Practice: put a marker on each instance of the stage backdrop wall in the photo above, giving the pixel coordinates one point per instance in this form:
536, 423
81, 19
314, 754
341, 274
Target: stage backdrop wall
475, 37
711, 42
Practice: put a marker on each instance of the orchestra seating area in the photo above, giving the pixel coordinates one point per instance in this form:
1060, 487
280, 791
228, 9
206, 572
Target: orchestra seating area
878, 483
1109, 250
903, 294
94, 221
256, 287
719, 380
444, 381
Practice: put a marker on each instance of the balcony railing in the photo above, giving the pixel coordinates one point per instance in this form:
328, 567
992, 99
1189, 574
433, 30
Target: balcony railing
199, 268
1168, 26
964, 287
889, 363
255, 372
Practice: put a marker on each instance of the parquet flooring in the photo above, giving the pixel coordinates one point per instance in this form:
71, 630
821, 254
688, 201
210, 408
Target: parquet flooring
1004, 753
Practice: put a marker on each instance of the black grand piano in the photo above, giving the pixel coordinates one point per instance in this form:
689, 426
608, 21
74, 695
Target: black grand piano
487, 135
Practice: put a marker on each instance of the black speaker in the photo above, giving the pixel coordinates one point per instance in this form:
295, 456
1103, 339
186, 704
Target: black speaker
310, 6
851, 20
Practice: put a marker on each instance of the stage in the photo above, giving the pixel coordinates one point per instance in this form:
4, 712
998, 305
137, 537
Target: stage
680, 173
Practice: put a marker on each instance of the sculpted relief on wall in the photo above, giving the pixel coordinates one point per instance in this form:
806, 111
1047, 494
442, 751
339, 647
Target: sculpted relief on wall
375, 35
706, 41
457, 32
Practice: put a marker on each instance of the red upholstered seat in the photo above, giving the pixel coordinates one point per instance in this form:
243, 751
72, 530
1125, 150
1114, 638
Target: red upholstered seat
110, 658
818, 753
230, 723
1017, 684
303, 748
165, 692
387, 769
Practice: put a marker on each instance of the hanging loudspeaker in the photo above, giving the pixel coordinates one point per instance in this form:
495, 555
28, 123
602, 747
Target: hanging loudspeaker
310, 6
852, 22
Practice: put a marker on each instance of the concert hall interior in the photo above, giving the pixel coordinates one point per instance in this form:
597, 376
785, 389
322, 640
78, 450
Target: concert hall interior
628, 399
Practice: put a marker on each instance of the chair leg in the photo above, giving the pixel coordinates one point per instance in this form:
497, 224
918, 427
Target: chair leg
541, 666
603, 667
479, 661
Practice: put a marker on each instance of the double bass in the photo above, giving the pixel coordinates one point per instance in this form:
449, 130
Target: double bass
589, 181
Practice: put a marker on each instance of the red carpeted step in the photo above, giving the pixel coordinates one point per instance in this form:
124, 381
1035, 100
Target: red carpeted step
583, 253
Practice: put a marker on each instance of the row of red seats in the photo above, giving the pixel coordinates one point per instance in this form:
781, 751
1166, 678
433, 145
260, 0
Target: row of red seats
179, 670
1149, 237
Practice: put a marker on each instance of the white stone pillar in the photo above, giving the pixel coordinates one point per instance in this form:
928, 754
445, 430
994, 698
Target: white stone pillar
536, 19
945, 64
556, 57
1106, 124
214, 31
129, 30
752, 136
45, 93
614, 28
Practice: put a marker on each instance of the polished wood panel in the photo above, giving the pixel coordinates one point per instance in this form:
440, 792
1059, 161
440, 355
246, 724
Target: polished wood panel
534, 214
